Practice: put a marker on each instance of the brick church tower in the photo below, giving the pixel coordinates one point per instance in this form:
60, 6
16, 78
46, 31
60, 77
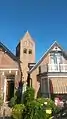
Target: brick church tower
25, 51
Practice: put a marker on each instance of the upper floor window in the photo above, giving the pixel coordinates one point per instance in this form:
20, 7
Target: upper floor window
25, 50
30, 51
56, 58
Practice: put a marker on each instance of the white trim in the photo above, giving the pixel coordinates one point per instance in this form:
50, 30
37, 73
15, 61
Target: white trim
5, 83
3, 73
49, 59
57, 67
16, 72
9, 69
57, 76
52, 76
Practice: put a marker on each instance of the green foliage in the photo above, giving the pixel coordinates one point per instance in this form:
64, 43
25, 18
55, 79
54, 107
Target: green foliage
12, 102
34, 111
17, 111
1, 101
28, 95
16, 99
48, 103
40, 108
37, 109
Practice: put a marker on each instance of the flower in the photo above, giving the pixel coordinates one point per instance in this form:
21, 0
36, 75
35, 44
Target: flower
41, 104
45, 103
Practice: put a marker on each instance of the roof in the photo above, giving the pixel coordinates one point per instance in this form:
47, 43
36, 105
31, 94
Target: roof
6, 50
26, 34
41, 59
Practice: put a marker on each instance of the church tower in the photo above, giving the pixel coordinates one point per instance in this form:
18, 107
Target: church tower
25, 51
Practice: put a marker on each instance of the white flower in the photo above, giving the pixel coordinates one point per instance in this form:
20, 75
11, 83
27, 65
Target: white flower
45, 103
41, 104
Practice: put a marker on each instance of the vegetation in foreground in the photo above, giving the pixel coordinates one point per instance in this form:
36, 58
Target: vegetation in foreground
30, 108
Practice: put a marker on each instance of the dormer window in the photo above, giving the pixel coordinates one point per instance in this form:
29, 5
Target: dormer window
30, 51
25, 51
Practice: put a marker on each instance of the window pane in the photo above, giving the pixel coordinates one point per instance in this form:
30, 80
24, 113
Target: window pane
30, 51
25, 51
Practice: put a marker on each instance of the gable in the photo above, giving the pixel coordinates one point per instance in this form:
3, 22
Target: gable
5, 49
6, 61
54, 47
7, 58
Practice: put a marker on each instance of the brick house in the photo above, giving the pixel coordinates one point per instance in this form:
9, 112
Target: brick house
9, 73
49, 74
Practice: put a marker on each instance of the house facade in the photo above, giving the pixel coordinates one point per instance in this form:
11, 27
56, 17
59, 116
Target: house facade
9, 73
49, 75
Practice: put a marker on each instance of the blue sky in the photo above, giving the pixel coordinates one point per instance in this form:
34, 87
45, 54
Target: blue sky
46, 20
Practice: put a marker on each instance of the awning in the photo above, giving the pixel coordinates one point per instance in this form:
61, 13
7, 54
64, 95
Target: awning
59, 85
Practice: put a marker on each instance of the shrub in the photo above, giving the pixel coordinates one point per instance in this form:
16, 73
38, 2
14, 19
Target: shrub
48, 104
39, 109
28, 95
34, 110
12, 102
17, 111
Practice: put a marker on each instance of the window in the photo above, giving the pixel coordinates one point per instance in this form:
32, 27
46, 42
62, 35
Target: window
30, 51
25, 51
56, 58
44, 85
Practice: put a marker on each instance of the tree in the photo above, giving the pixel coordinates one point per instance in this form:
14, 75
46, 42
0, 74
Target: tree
28, 95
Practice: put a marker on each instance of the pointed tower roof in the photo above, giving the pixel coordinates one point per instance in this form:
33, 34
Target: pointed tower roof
27, 35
